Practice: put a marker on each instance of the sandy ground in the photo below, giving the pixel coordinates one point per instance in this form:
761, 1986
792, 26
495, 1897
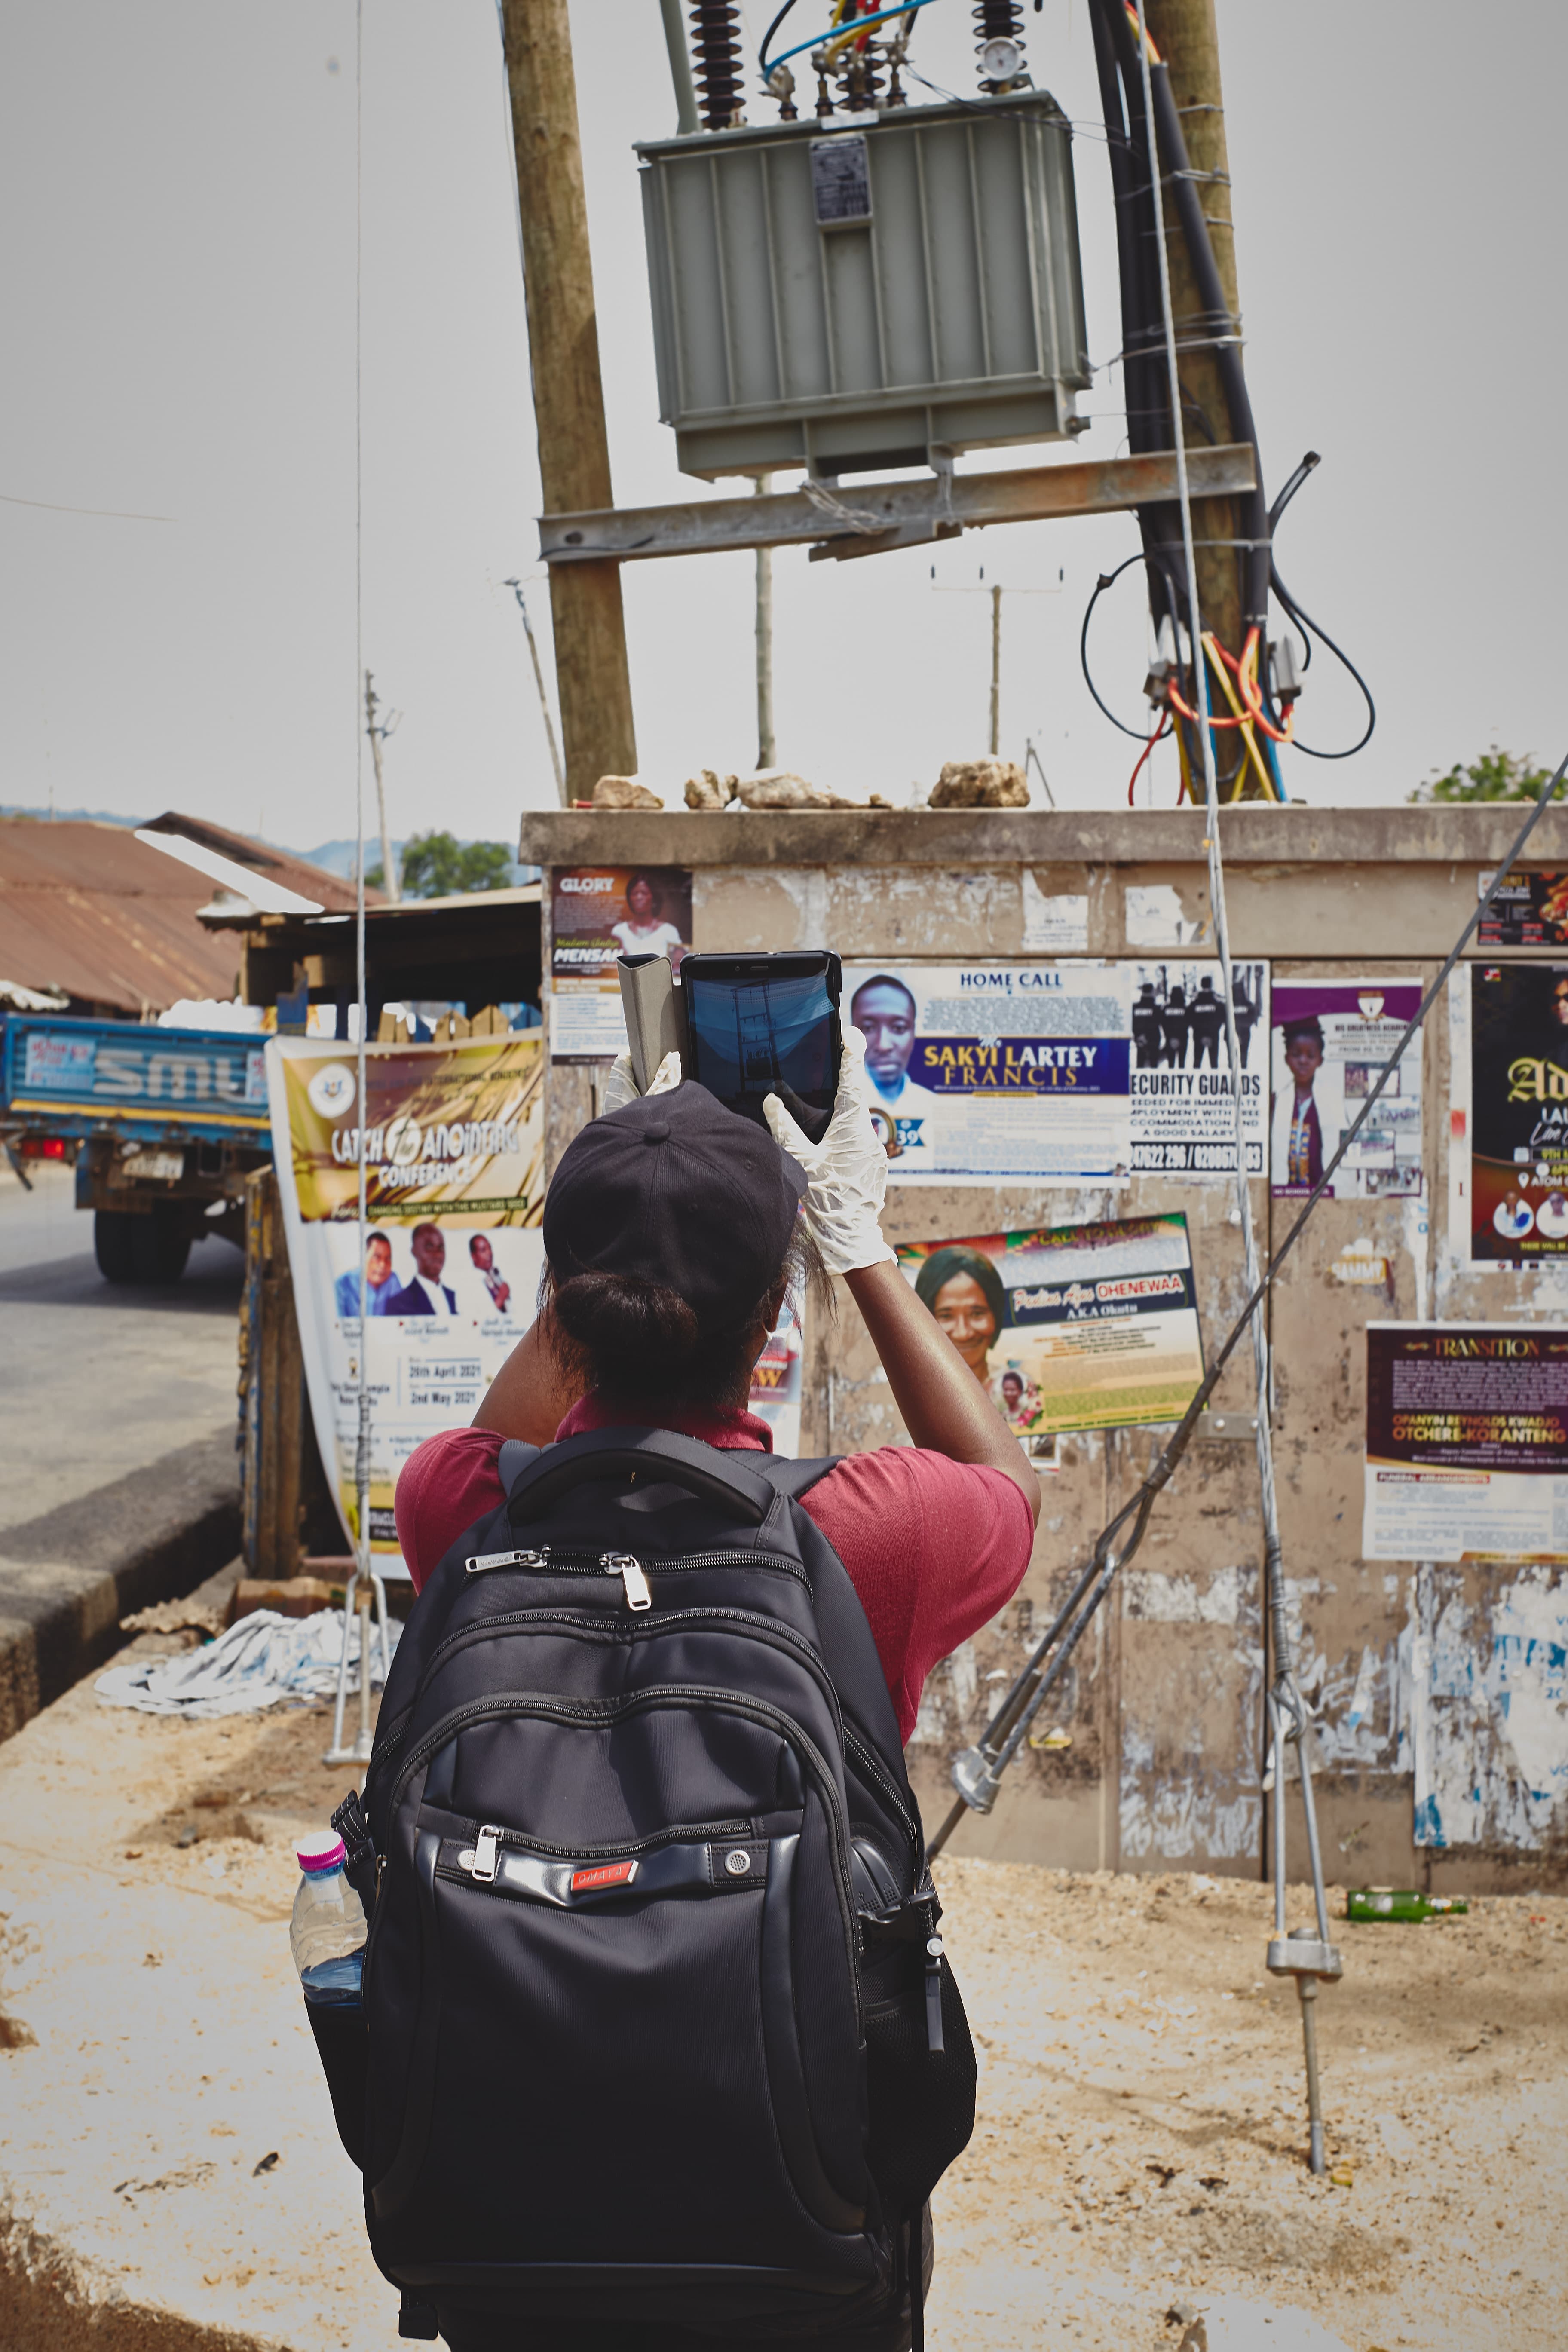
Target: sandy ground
1142, 2134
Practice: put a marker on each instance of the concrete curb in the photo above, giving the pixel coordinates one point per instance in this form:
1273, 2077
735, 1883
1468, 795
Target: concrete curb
66, 1578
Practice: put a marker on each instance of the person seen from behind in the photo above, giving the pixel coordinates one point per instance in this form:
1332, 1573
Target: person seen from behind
674, 1231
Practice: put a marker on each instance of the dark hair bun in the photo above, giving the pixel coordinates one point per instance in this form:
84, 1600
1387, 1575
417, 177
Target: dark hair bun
634, 1333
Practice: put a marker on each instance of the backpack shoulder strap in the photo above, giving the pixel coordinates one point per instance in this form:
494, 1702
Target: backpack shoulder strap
848, 1649
711, 1472
513, 1459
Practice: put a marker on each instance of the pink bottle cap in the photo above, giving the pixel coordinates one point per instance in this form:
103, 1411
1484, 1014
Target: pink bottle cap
323, 1851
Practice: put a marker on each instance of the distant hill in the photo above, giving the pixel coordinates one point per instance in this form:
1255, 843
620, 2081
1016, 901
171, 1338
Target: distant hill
77, 816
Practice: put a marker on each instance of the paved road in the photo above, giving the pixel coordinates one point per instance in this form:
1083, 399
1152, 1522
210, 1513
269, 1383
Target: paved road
95, 1379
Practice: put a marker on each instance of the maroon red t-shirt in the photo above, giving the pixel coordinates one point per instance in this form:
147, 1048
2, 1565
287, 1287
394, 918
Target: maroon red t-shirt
933, 1548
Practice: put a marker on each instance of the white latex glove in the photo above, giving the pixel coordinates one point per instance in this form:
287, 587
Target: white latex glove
621, 1087
848, 1169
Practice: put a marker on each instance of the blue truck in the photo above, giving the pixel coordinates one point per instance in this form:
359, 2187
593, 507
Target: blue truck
163, 1126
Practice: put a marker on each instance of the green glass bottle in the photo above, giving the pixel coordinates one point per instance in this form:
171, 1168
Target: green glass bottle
1367, 1903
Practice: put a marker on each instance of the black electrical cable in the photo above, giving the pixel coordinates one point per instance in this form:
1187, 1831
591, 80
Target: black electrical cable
768, 39
1308, 627
1106, 580
1309, 463
1304, 621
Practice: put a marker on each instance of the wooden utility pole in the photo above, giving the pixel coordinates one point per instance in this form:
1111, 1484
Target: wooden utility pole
1184, 33
592, 682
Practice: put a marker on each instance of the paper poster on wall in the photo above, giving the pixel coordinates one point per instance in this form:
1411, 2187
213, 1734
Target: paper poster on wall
1075, 1327
776, 1384
596, 914
455, 1190
1053, 924
1330, 1040
1531, 910
1183, 1118
1467, 1441
1509, 1164
1010, 1071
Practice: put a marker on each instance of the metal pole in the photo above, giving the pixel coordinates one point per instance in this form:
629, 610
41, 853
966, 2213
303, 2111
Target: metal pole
995, 671
686, 119
767, 755
556, 768
389, 879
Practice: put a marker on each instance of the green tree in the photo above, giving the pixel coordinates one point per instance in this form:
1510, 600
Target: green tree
1495, 776
440, 865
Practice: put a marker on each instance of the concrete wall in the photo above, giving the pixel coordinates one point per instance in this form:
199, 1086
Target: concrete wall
1407, 1662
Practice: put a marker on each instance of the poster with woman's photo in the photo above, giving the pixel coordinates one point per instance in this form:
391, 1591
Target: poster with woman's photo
1014, 1072
1183, 1116
599, 913
1330, 1039
448, 1280
1074, 1326
1510, 1162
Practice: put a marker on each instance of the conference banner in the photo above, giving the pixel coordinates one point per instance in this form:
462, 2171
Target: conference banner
453, 1254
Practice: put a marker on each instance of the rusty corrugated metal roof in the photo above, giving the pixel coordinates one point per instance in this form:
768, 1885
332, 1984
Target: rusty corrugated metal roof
330, 891
88, 908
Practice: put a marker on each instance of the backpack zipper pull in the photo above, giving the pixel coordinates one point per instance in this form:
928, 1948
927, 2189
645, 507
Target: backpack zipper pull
482, 1863
478, 1563
935, 2043
629, 1568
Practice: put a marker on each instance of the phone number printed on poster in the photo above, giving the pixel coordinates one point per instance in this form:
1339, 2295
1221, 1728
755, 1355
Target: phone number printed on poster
599, 913
1015, 1071
454, 1192
1183, 1115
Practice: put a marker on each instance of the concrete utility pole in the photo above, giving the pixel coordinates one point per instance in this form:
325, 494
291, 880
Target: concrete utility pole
767, 752
592, 678
389, 881
1186, 37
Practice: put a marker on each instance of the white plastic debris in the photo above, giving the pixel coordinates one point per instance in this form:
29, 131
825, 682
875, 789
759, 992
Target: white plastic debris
261, 1660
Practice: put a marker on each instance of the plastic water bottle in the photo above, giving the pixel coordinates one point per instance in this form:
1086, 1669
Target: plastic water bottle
327, 1932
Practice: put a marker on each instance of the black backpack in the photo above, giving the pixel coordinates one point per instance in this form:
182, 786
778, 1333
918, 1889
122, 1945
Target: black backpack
661, 2042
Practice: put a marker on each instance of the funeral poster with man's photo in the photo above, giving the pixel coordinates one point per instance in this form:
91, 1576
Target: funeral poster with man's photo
1016, 1072
1330, 1039
448, 1280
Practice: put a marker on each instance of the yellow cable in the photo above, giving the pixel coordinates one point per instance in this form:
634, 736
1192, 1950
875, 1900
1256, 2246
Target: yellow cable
1246, 731
1182, 756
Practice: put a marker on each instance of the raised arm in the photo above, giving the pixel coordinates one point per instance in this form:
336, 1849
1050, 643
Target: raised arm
943, 1405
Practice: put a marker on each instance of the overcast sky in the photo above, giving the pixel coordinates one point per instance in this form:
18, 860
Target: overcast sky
178, 279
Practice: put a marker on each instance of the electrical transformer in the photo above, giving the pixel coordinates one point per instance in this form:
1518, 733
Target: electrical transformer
855, 298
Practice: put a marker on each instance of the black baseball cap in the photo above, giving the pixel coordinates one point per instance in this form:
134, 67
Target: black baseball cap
675, 1189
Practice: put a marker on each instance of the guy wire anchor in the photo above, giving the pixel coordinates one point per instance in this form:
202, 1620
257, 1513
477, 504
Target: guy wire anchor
1310, 1958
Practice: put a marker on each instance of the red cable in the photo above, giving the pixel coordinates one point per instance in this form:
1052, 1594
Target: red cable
1158, 736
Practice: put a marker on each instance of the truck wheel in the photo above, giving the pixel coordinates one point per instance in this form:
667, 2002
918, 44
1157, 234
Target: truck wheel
111, 1243
158, 1249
